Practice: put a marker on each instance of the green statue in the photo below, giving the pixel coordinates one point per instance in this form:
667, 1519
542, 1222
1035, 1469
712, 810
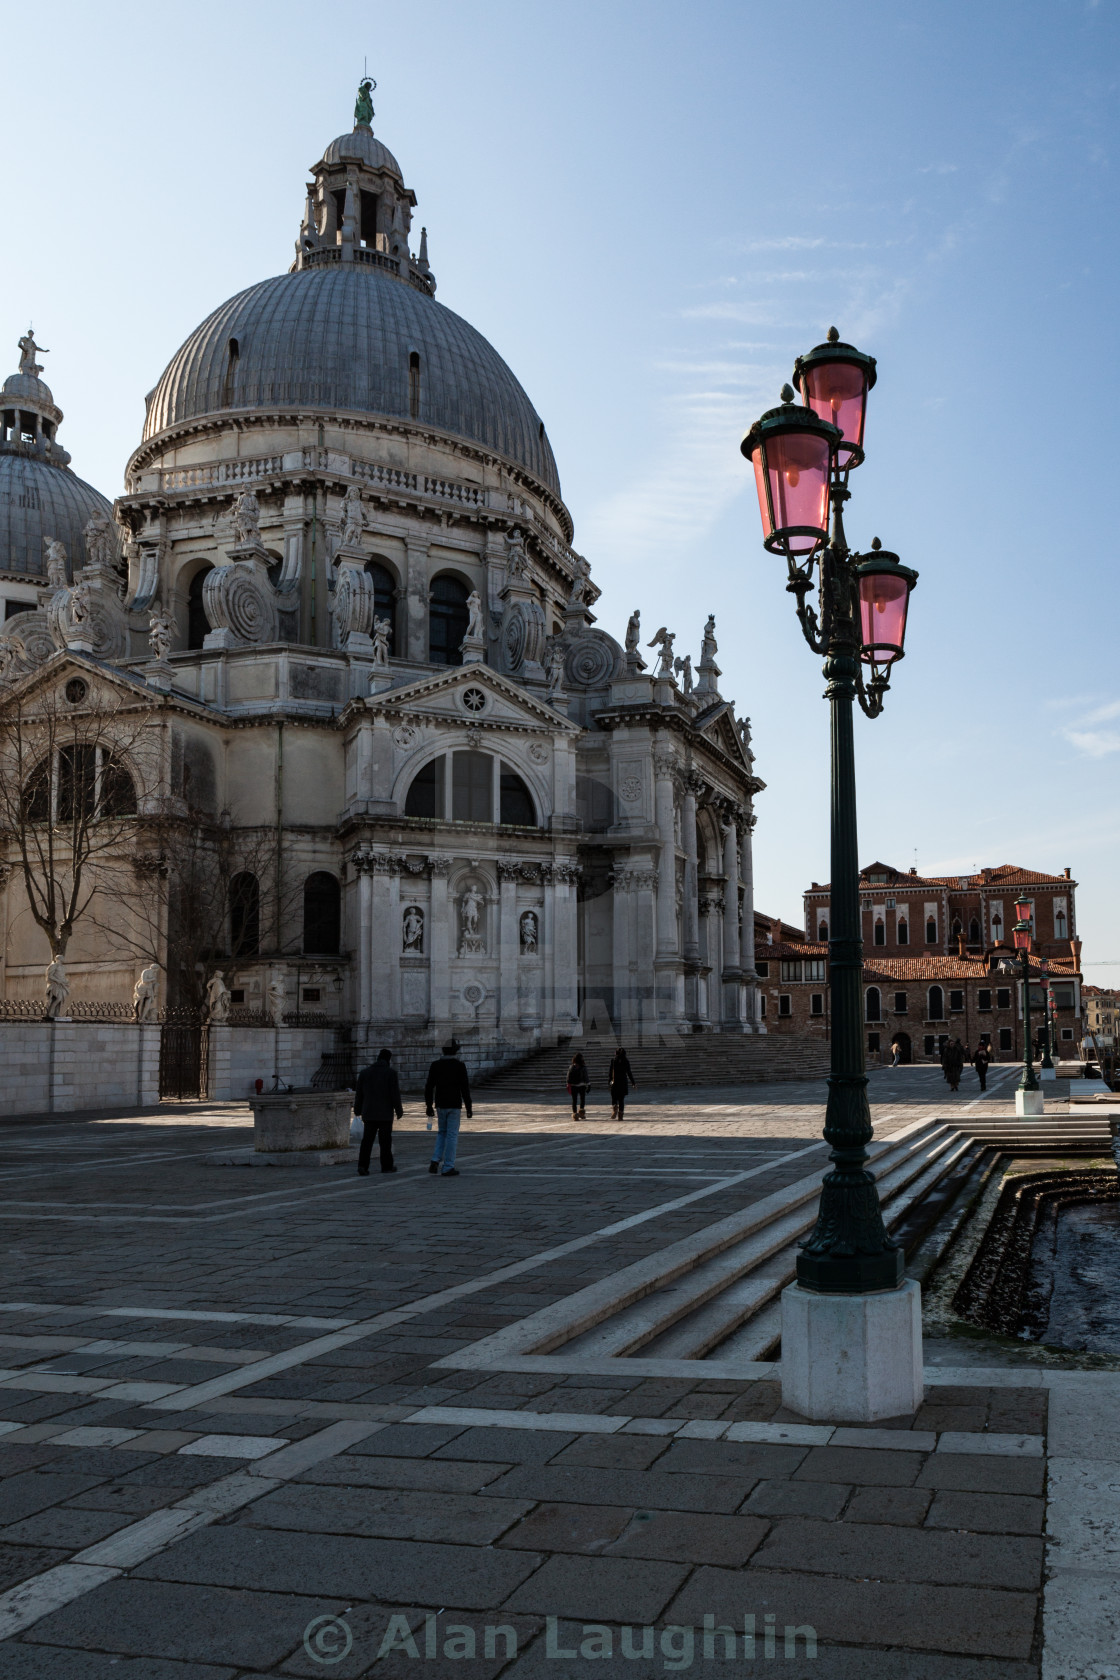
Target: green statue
363, 105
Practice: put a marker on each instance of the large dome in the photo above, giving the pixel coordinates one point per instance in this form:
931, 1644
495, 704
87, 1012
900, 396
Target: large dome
41, 503
339, 338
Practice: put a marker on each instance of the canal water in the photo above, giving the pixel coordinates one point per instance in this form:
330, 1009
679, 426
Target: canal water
1079, 1268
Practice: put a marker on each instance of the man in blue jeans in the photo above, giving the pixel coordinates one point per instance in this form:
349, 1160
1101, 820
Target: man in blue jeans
446, 1094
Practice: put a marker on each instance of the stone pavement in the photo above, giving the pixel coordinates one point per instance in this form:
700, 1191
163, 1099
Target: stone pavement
227, 1449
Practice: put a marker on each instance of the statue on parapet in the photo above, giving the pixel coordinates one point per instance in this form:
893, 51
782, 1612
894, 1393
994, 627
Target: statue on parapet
275, 1003
99, 540
664, 640
159, 634
353, 518
246, 519
56, 564
58, 989
217, 1000
683, 668
709, 649
382, 630
145, 993
475, 626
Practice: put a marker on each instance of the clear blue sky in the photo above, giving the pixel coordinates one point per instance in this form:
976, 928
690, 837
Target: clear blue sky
650, 209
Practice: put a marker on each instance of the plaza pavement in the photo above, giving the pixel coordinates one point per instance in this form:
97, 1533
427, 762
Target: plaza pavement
228, 1449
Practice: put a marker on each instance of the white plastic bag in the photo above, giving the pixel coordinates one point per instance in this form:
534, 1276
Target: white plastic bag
356, 1129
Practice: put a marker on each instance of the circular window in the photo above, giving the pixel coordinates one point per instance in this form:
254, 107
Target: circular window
76, 691
474, 700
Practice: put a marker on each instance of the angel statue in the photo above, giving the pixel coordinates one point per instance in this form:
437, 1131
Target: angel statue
683, 668
664, 639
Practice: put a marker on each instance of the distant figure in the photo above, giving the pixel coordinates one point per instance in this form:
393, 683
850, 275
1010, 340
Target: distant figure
446, 1094
620, 1077
579, 1082
377, 1099
952, 1063
896, 1052
981, 1062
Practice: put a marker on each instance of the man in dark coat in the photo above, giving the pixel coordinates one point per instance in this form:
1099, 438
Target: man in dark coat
952, 1063
446, 1094
377, 1099
620, 1077
980, 1062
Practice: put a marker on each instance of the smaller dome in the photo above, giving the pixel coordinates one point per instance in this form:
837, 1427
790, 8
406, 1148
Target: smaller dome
360, 146
24, 387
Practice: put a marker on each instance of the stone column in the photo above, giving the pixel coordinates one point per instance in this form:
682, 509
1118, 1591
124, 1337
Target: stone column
565, 877
665, 765
508, 949
732, 1019
415, 631
746, 952
690, 913
363, 863
442, 940
626, 1004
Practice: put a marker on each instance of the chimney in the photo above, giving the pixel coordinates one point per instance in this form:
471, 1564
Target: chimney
1075, 947
913, 869
960, 945
1067, 874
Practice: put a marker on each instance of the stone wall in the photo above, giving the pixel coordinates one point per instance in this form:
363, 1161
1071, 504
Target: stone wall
56, 1067
238, 1056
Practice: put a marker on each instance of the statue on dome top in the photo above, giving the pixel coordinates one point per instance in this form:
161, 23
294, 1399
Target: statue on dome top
363, 105
28, 350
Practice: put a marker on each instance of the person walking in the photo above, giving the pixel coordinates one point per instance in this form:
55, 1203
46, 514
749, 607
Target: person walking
896, 1052
620, 1077
446, 1094
952, 1063
981, 1062
377, 1098
579, 1081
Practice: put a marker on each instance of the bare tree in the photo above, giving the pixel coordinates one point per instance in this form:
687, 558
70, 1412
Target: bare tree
77, 769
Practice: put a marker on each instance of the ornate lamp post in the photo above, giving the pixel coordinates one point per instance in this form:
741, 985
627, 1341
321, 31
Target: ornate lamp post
1046, 1070
1028, 1094
850, 1285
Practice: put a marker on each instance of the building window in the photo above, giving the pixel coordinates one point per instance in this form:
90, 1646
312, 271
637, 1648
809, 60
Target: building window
974, 932
244, 916
762, 969
816, 1003
931, 932
472, 787
928, 1045
983, 998
874, 1004
900, 1003
1067, 1032
1005, 1038
1063, 996
312, 994
936, 1004
956, 1002
1060, 923
761, 1004
198, 625
11, 608
447, 620
385, 598
814, 968
1003, 997
873, 1044
414, 384
791, 971
822, 933
425, 796
322, 914
237, 995
233, 356
997, 924
515, 800
903, 931
88, 785
880, 935
785, 1004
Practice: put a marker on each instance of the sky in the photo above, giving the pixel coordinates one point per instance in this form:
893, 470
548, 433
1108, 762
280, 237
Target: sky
650, 209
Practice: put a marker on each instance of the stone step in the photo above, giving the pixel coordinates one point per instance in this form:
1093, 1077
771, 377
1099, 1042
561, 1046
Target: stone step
699, 1059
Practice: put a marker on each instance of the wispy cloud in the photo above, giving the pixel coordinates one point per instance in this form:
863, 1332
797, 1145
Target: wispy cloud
1084, 735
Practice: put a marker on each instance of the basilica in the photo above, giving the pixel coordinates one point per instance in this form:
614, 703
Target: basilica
340, 594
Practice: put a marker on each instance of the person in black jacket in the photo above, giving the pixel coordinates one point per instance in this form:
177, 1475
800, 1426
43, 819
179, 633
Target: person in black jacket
620, 1078
377, 1099
446, 1095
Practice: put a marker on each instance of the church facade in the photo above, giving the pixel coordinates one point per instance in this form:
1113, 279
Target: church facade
341, 581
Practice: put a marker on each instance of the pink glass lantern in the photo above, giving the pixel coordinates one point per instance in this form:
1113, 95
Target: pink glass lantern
834, 380
1022, 929
791, 452
884, 596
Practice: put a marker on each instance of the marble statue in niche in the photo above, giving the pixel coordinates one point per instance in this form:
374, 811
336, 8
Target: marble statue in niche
529, 933
471, 941
413, 930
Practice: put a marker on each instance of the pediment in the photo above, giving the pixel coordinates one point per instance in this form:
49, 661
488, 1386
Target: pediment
440, 699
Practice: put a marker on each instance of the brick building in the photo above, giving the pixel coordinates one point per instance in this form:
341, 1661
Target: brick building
920, 998
904, 912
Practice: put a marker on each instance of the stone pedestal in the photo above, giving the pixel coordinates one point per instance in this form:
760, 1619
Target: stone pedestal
852, 1358
1047, 1073
1029, 1103
293, 1122
473, 650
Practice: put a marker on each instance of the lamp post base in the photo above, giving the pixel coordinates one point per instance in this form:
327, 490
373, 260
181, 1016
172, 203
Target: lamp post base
1045, 1072
1028, 1102
852, 1358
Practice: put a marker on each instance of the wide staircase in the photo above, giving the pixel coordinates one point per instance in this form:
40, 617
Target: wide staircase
702, 1059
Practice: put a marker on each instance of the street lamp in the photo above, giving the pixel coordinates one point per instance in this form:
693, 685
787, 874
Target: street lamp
1028, 1094
802, 457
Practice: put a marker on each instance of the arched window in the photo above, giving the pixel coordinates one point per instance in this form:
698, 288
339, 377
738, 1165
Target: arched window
425, 795
880, 931
1060, 924
384, 598
931, 932
198, 625
414, 384
822, 933
874, 1004
516, 802
117, 794
936, 1004
322, 914
244, 916
974, 932
88, 785
903, 931
472, 787
233, 356
997, 924
447, 620
957, 927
